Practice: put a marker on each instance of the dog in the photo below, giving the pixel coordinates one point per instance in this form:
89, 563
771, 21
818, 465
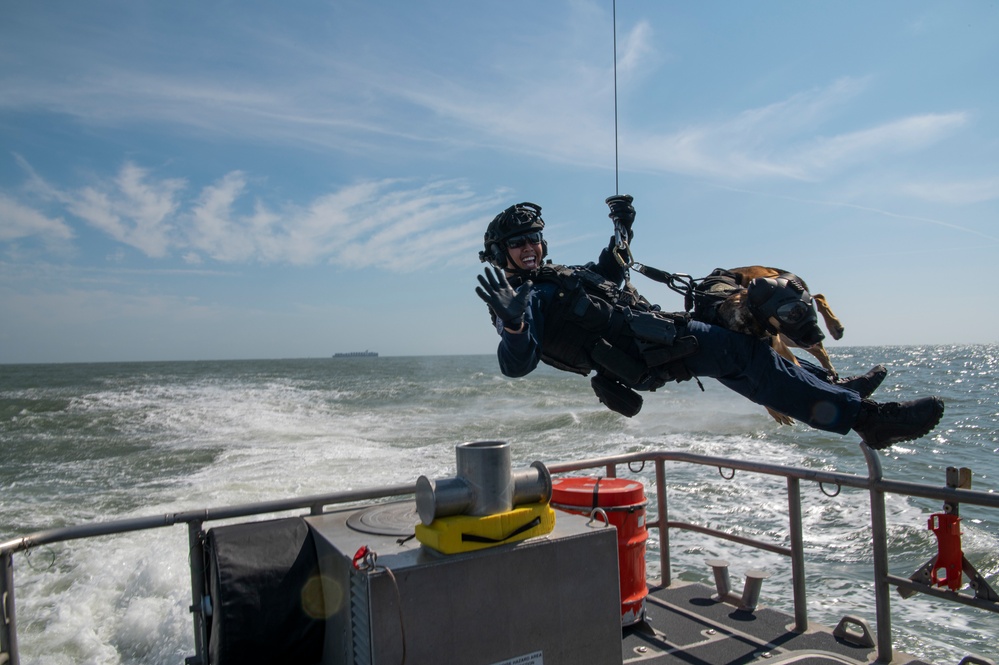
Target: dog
771, 304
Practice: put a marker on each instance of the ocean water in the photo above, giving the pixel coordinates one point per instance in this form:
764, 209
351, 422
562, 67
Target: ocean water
92, 442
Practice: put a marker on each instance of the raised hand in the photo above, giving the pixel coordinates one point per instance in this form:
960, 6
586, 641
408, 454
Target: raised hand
508, 303
622, 212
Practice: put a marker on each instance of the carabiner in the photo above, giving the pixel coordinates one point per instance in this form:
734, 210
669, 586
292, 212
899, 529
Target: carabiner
621, 248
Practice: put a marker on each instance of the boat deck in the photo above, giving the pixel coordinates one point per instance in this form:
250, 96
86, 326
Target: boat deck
686, 626
685, 623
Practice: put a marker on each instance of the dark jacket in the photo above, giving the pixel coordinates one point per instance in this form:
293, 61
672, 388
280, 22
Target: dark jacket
588, 318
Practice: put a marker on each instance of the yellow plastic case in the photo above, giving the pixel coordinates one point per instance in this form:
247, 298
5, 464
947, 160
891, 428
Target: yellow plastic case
465, 533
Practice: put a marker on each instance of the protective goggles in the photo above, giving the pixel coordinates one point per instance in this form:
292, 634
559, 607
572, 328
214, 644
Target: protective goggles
517, 242
793, 312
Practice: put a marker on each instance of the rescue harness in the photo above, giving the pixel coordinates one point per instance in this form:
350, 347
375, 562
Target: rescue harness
593, 325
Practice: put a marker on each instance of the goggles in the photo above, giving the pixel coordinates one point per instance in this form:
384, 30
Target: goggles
793, 312
517, 242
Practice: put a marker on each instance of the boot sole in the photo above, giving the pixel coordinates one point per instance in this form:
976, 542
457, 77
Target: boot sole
881, 445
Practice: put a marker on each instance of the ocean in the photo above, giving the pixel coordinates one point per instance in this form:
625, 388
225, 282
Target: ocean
93, 442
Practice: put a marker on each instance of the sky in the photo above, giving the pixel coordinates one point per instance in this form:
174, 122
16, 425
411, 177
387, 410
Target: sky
190, 180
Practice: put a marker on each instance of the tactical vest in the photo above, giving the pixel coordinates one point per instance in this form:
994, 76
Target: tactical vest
593, 325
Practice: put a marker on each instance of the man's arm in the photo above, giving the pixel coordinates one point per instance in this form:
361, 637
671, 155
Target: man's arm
607, 266
519, 352
610, 264
517, 317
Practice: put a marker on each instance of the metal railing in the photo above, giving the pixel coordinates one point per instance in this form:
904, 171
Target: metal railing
874, 483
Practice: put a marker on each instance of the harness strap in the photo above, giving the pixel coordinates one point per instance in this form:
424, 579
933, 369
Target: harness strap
679, 282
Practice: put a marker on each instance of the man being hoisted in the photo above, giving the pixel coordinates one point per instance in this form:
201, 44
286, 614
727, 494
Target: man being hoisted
587, 319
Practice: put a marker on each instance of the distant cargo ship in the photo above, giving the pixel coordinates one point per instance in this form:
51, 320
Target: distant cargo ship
357, 354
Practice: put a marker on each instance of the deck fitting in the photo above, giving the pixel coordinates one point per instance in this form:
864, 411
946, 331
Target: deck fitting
750, 593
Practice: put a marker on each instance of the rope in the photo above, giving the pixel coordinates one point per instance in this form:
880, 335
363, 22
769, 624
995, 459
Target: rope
617, 189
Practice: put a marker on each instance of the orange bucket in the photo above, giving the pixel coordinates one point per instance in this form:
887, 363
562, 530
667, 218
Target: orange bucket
623, 504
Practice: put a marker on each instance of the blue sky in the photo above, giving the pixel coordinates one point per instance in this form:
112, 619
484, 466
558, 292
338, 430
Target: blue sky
191, 180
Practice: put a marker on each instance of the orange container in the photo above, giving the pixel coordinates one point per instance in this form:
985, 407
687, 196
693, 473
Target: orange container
623, 502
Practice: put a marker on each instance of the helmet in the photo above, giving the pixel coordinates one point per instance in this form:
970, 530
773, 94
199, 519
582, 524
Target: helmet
515, 220
783, 305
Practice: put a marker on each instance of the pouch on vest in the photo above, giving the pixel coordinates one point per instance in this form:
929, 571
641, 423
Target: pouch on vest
617, 362
615, 396
651, 328
670, 358
683, 347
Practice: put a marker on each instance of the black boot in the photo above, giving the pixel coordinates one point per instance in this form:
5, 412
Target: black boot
865, 384
881, 425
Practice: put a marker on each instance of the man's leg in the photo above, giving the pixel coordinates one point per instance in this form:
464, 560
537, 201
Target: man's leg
752, 369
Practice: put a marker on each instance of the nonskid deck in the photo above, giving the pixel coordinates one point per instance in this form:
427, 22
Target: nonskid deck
685, 624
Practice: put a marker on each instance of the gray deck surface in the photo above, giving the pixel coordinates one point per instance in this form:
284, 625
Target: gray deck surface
685, 626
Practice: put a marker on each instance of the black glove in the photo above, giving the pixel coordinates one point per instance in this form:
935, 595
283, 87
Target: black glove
507, 303
622, 212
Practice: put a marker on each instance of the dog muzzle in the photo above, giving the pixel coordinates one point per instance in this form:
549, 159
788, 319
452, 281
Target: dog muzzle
783, 306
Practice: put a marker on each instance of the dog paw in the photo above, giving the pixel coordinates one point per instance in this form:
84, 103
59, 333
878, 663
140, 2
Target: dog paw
780, 417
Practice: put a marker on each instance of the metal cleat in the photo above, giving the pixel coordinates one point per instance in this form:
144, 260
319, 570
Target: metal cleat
750, 593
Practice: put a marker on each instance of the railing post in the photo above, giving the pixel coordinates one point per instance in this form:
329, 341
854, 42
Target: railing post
666, 578
196, 551
8, 624
797, 555
879, 538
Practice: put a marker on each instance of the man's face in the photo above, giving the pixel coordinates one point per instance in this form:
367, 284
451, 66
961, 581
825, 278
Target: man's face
525, 250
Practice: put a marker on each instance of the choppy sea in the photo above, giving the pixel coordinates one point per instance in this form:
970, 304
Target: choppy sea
93, 442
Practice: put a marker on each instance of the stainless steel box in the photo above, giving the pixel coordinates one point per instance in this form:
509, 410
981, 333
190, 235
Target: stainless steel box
552, 600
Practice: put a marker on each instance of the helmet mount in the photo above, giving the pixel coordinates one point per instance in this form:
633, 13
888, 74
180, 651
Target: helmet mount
519, 219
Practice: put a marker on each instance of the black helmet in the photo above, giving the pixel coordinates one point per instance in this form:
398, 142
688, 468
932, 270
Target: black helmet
514, 221
783, 305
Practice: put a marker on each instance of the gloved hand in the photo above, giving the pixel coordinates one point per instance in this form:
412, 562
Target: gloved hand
508, 303
622, 212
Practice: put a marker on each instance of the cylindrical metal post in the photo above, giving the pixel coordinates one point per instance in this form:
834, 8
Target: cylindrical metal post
879, 533
485, 484
441, 498
485, 466
722, 584
751, 591
196, 550
8, 624
533, 485
662, 521
797, 555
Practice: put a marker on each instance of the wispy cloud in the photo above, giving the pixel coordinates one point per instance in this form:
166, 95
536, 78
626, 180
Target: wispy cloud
943, 223
544, 96
134, 208
19, 221
380, 223
396, 225
541, 96
975, 190
635, 51
786, 139
908, 134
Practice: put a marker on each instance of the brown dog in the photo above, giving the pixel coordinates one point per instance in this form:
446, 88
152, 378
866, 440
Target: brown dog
771, 304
